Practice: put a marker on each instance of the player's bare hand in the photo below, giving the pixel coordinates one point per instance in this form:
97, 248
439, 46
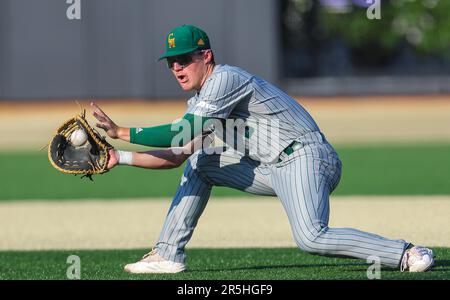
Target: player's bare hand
113, 159
105, 123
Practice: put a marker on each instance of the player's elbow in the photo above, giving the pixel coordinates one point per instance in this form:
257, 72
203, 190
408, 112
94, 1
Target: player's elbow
175, 161
180, 160
171, 165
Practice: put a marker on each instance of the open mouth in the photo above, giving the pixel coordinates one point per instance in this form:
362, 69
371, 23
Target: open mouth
182, 78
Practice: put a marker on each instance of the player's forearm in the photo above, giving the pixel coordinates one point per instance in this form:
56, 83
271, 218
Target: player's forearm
168, 135
156, 136
158, 159
123, 133
166, 158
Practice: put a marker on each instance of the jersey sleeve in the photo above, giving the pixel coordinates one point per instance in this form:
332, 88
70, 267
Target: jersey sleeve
220, 94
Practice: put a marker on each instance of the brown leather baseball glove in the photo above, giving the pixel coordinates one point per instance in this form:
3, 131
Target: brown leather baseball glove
85, 152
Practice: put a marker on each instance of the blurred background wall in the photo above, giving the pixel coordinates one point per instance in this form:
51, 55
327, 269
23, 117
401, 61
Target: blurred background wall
326, 47
111, 51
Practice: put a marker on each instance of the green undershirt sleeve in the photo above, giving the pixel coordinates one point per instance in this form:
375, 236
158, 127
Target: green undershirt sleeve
180, 133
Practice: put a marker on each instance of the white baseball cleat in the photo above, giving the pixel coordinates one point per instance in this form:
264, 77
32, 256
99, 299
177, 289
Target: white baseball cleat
417, 259
153, 263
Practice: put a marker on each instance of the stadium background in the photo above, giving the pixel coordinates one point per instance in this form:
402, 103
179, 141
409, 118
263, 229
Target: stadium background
377, 88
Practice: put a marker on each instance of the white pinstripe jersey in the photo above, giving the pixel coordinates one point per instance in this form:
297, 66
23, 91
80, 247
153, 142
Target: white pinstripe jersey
273, 118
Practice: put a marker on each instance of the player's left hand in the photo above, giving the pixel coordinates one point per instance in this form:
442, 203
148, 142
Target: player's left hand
86, 154
113, 159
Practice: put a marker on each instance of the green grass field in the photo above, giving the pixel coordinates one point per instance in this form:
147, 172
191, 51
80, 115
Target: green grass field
208, 264
370, 170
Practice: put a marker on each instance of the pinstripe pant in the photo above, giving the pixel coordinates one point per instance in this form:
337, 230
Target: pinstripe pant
302, 181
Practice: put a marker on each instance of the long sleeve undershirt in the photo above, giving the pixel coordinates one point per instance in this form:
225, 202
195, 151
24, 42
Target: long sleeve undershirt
163, 135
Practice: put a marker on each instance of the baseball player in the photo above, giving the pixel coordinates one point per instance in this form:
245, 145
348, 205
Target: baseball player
276, 150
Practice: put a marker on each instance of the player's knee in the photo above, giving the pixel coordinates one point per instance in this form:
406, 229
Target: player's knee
302, 245
306, 244
311, 242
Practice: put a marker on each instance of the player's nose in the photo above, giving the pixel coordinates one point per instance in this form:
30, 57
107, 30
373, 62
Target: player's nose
177, 67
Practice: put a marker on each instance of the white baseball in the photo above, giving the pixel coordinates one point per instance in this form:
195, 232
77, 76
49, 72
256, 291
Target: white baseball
78, 137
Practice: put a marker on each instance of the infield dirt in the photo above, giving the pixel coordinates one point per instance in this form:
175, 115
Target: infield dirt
226, 223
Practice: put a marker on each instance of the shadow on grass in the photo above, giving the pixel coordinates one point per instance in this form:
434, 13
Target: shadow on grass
442, 265
439, 266
273, 267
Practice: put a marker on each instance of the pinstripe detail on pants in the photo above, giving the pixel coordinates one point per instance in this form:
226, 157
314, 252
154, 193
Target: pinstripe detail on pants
302, 181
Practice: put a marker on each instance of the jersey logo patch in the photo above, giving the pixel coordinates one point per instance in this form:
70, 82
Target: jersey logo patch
138, 130
207, 105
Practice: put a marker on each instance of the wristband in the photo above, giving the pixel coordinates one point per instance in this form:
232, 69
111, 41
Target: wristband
124, 157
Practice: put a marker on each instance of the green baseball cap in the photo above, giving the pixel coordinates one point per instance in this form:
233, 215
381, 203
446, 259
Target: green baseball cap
185, 39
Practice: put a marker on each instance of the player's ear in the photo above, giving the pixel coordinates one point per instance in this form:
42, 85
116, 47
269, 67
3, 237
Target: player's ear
208, 56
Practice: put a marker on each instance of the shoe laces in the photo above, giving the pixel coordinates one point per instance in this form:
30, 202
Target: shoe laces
153, 252
404, 264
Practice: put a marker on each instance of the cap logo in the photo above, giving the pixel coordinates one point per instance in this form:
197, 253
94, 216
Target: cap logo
200, 42
171, 40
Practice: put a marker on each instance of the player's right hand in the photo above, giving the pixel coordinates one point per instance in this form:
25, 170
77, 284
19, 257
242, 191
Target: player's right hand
105, 123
